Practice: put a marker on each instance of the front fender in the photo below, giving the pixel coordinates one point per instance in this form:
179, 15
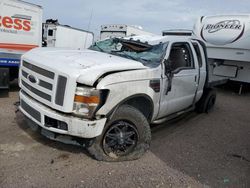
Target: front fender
122, 92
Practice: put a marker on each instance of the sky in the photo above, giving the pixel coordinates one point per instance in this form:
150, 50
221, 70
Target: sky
153, 15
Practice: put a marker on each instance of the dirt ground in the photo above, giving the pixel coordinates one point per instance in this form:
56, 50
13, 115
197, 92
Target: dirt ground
197, 150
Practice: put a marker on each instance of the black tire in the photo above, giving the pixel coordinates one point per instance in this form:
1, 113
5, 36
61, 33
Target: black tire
126, 118
207, 101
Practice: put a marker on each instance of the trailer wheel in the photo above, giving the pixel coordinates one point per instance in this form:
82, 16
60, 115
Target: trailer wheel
125, 137
207, 101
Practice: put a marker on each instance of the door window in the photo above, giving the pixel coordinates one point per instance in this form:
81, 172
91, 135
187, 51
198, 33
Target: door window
181, 57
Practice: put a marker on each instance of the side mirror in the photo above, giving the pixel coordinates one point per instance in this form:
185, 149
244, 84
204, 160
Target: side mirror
168, 68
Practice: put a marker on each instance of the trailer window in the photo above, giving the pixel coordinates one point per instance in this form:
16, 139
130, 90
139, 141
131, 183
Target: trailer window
50, 32
181, 57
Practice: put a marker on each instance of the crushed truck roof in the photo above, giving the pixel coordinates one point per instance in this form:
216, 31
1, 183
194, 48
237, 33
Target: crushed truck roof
153, 40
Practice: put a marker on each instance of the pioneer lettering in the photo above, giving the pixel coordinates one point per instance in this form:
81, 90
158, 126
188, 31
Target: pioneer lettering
227, 24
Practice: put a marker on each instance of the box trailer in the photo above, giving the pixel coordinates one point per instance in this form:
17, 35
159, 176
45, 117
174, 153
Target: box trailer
227, 38
20, 31
56, 35
121, 30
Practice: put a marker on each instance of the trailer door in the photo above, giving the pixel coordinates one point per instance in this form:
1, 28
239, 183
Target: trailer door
50, 35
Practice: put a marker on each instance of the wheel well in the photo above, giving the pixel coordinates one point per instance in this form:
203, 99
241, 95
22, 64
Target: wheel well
143, 104
207, 90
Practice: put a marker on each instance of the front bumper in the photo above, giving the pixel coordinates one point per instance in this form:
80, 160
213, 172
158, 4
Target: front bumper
60, 123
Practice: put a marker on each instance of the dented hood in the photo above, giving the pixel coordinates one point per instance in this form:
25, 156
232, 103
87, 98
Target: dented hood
86, 66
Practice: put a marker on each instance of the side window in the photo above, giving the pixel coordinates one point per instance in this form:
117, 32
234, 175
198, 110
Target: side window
181, 57
198, 53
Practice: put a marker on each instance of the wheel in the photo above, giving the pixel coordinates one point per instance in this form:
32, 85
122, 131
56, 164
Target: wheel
126, 136
207, 101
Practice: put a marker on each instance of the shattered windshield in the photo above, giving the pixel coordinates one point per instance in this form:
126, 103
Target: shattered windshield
148, 55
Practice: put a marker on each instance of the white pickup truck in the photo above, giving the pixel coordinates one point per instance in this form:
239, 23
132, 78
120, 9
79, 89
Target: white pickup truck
110, 93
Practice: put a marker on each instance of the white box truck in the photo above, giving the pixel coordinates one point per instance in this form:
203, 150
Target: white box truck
121, 30
20, 31
227, 38
56, 35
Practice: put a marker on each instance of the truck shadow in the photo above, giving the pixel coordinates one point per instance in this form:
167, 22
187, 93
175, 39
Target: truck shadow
235, 87
23, 124
208, 147
170, 143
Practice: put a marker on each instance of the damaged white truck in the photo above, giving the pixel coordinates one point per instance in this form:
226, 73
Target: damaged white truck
111, 93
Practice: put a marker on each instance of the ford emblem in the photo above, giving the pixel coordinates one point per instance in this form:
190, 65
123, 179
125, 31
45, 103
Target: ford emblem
32, 79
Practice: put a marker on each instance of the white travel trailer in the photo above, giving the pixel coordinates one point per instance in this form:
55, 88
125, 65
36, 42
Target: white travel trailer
20, 31
121, 30
56, 35
227, 38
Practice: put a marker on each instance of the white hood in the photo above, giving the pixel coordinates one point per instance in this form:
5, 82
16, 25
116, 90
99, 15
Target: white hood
86, 66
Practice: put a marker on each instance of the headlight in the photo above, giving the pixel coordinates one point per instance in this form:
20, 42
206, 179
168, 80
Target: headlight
86, 101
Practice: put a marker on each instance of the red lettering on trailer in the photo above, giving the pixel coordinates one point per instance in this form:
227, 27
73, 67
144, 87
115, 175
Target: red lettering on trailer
18, 24
26, 25
7, 22
15, 23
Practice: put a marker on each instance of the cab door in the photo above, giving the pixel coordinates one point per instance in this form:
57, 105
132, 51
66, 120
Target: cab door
180, 85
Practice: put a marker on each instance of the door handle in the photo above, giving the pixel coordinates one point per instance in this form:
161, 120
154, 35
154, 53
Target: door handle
195, 78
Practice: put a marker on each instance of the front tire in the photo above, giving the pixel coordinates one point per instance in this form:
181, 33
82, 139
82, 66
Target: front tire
126, 136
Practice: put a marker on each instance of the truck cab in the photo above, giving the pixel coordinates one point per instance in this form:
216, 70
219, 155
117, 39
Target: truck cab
112, 92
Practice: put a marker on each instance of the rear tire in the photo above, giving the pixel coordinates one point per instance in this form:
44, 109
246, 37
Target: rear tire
207, 101
126, 136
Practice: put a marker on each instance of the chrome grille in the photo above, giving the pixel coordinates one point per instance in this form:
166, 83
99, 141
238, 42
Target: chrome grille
41, 82
45, 85
36, 91
39, 70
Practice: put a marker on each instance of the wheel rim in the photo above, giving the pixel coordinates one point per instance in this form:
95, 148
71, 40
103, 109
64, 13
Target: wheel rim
120, 139
210, 104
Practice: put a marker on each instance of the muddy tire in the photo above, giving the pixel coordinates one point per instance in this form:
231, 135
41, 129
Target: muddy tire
126, 136
207, 101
